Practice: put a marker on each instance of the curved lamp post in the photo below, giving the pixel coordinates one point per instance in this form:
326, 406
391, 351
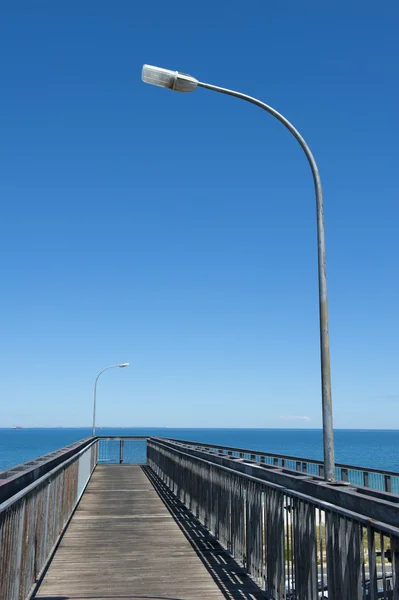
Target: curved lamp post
121, 366
181, 82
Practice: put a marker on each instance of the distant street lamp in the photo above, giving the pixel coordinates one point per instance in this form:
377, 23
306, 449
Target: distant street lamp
121, 366
181, 82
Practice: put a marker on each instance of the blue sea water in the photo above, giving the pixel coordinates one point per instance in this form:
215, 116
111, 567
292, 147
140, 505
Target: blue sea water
366, 448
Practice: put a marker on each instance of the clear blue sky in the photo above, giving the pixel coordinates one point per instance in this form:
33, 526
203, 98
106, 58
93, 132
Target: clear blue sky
177, 231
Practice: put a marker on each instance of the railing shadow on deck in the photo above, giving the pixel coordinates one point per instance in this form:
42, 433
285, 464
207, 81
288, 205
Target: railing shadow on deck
99, 597
231, 578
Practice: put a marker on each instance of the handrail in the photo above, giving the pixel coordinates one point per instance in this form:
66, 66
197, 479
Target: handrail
314, 461
20, 476
297, 540
122, 437
388, 528
26, 490
316, 490
372, 478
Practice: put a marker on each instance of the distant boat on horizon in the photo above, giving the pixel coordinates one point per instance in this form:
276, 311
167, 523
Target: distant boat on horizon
16, 427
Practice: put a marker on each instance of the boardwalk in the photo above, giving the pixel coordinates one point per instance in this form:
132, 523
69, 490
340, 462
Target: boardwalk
131, 540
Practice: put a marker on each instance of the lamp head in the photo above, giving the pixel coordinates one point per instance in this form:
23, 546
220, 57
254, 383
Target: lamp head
172, 80
123, 365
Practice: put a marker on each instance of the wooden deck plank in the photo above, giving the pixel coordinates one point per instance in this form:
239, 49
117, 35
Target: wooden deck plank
124, 543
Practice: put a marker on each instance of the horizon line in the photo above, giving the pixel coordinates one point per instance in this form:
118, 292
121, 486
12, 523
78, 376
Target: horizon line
199, 428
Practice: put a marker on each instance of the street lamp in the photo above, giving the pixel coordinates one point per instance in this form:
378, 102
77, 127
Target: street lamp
121, 366
181, 82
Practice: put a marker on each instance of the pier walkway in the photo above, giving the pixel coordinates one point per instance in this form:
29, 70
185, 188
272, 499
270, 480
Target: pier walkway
130, 539
137, 518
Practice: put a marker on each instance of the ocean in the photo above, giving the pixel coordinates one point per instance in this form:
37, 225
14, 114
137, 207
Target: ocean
364, 448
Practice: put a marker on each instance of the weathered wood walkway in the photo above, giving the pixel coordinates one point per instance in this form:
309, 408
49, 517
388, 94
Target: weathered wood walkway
130, 539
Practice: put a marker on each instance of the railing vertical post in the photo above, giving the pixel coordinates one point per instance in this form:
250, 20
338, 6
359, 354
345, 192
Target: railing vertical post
121, 444
303, 518
210, 498
395, 565
388, 483
344, 474
365, 479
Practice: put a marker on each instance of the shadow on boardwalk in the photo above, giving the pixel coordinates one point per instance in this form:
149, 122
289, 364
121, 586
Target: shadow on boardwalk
118, 597
120, 546
229, 576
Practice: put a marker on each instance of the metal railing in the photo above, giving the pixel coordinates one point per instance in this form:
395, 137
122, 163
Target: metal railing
14, 479
122, 450
33, 518
376, 479
298, 537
